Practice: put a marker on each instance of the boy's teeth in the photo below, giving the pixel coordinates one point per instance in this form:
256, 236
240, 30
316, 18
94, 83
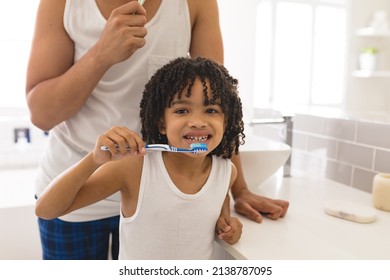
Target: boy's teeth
198, 139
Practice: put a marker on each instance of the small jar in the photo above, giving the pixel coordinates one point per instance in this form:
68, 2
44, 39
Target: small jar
368, 61
381, 191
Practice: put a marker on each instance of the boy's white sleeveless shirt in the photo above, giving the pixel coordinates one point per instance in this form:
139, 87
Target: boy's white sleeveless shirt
169, 224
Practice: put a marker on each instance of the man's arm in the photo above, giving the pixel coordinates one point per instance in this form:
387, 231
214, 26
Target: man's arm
56, 87
207, 42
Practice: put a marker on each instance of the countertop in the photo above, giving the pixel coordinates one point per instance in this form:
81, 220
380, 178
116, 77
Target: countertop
17, 187
307, 232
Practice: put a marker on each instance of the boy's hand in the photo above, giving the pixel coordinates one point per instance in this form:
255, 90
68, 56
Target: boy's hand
229, 229
121, 142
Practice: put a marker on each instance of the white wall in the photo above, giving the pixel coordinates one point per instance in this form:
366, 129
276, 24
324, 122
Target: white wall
371, 96
363, 96
238, 24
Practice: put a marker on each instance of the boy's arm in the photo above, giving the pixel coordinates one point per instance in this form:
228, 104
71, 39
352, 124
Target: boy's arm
67, 193
62, 191
229, 228
98, 175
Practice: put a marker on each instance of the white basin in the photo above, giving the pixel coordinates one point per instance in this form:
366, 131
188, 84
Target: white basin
261, 158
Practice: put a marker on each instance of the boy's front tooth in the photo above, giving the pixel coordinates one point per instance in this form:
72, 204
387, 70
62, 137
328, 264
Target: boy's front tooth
197, 139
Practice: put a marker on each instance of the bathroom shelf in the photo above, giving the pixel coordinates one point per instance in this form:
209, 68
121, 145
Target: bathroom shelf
371, 74
368, 32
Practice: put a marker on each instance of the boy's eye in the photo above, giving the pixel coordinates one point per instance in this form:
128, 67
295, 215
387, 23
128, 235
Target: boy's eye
212, 111
181, 111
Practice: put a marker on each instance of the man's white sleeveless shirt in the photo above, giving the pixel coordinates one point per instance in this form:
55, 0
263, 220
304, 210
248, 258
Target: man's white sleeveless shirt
116, 98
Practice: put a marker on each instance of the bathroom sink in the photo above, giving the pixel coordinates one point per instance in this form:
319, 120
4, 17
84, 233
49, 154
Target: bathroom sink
261, 158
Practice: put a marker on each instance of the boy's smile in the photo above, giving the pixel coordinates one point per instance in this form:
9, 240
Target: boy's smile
189, 120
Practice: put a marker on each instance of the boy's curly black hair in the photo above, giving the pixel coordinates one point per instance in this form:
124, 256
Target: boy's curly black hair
172, 79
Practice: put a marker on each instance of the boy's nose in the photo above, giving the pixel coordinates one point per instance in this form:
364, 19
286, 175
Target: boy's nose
197, 121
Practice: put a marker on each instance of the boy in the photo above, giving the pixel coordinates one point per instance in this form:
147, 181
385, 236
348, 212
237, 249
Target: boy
171, 203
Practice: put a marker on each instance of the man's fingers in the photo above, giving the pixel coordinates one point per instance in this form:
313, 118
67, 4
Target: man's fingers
246, 209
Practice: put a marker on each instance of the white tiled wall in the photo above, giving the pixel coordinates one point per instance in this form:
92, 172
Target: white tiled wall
341, 149
19, 155
344, 150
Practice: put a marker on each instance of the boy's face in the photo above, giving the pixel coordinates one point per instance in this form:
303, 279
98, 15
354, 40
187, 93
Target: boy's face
189, 121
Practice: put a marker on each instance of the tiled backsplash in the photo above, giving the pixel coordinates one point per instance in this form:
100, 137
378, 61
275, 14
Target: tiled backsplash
347, 151
24, 153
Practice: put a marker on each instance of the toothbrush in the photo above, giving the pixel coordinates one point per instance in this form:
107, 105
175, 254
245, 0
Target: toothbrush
195, 148
141, 2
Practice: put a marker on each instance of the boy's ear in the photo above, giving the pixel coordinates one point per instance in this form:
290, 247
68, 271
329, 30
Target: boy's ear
161, 127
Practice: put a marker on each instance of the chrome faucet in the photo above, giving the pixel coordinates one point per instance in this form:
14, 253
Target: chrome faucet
286, 137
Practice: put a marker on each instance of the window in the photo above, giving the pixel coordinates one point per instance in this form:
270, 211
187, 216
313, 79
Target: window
16, 28
300, 53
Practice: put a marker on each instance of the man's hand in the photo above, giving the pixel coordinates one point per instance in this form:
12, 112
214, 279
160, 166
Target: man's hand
254, 206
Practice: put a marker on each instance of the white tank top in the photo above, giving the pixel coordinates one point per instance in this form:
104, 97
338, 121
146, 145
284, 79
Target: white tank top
169, 224
116, 98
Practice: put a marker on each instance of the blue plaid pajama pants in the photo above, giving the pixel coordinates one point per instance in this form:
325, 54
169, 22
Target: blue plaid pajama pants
79, 240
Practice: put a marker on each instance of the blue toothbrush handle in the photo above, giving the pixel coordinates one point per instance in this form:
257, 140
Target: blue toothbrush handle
154, 147
167, 148
159, 147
